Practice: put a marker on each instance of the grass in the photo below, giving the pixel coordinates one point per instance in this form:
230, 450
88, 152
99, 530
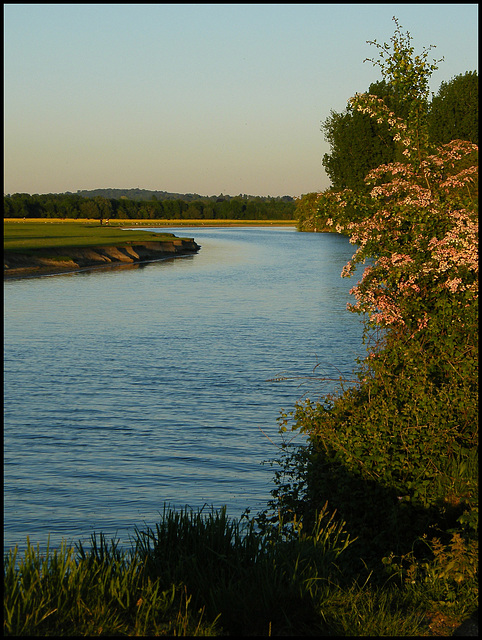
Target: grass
208, 223
32, 234
93, 594
28, 236
200, 573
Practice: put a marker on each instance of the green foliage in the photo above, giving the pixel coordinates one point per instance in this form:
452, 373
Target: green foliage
357, 143
332, 210
454, 111
407, 75
203, 574
307, 215
409, 428
396, 454
102, 592
98, 207
360, 143
255, 581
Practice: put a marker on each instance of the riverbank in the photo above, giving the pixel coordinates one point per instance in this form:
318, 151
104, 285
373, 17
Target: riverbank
58, 260
202, 574
160, 222
50, 246
33, 247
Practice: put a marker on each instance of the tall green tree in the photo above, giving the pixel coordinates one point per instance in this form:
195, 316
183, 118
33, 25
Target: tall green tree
454, 111
396, 453
358, 143
104, 208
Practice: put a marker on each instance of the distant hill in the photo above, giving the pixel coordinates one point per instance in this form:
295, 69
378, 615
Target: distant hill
147, 195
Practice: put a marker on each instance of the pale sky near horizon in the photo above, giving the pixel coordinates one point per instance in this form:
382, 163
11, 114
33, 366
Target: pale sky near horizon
197, 98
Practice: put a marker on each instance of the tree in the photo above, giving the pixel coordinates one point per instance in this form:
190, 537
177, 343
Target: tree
104, 208
454, 111
408, 429
306, 208
358, 143
89, 209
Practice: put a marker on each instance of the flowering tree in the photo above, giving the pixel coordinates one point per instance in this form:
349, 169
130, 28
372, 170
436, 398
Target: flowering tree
410, 426
422, 235
422, 225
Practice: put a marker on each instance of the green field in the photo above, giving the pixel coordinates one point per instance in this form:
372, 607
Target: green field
198, 222
20, 235
26, 236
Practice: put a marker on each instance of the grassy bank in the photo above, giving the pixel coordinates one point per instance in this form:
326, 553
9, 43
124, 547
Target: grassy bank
207, 223
39, 248
203, 574
27, 236
30, 234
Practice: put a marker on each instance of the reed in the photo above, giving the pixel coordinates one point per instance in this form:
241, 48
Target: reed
199, 573
99, 592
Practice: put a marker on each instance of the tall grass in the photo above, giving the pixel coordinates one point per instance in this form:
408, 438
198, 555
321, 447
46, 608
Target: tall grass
200, 573
100, 592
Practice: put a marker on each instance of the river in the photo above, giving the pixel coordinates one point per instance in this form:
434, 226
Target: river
127, 389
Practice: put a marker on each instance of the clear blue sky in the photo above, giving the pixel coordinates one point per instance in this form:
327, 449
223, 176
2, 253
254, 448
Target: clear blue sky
200, 98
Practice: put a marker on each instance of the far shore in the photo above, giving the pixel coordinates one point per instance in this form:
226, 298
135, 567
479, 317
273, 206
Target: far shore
35, 248
40, 252
164, 223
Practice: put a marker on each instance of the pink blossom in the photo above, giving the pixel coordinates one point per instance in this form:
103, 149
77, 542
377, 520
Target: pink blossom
423, 234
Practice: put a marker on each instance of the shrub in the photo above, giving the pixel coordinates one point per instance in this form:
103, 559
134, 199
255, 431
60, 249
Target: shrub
396, 453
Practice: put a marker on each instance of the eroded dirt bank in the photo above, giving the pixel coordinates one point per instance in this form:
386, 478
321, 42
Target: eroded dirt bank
63, 259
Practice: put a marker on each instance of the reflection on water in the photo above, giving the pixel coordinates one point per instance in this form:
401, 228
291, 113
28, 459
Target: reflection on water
126, 389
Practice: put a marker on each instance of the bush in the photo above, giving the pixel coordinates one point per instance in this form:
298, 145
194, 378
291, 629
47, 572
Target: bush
396, 454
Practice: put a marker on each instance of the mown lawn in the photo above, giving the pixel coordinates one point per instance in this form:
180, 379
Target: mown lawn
19, 235
22, 236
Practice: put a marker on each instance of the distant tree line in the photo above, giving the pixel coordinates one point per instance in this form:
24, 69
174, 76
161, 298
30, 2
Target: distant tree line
69, 205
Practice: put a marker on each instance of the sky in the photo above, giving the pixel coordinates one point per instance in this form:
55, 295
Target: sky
198, 98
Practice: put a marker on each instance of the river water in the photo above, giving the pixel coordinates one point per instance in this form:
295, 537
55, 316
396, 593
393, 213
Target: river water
127, 389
